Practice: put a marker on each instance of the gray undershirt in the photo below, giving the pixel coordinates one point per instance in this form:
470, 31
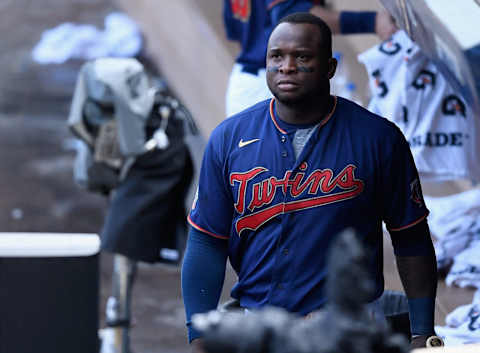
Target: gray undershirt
301, 138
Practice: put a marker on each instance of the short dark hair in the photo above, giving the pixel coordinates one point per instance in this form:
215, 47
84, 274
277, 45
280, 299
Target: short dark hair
308, 18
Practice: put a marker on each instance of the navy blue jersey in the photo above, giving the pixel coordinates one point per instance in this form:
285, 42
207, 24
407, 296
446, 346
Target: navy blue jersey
250, 22
280, 213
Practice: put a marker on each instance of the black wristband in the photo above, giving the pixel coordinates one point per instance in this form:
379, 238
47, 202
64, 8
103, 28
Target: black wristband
352, 22
421, 315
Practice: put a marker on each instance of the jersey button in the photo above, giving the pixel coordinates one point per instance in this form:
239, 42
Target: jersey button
284, 154
285, 251
283, 139
280, 286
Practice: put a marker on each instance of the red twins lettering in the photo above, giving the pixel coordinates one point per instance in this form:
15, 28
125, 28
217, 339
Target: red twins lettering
263, 192
243, 178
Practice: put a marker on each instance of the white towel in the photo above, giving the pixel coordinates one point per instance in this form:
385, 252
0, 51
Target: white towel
454, 221
462, 324
465, 271
120, 38
408, 90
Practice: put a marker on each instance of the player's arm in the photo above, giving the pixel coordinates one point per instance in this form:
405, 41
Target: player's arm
203, 274
340, 22
357, 22
203, 269
405, 216
417, 267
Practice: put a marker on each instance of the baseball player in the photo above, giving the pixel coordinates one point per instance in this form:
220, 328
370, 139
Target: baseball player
250, 22
282, 178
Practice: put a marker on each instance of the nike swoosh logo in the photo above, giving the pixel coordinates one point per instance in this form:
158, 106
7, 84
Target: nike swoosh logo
242, 143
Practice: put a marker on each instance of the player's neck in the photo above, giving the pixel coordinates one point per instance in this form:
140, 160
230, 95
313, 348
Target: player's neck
304, 113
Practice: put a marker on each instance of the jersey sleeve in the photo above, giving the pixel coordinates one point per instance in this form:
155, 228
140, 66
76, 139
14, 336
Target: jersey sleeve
401, 192
282, 8
212, 208
230, 24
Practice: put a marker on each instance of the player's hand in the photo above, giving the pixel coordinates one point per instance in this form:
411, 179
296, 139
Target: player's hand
197, 346
385, 25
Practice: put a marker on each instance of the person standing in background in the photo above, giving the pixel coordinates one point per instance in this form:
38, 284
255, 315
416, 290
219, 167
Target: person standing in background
250, 22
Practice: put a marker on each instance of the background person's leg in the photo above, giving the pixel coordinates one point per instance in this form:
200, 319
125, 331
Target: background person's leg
116, 336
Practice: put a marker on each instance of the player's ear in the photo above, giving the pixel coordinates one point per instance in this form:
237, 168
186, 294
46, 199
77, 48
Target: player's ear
332, 67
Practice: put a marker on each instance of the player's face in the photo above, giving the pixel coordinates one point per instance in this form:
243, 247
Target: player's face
298, 70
